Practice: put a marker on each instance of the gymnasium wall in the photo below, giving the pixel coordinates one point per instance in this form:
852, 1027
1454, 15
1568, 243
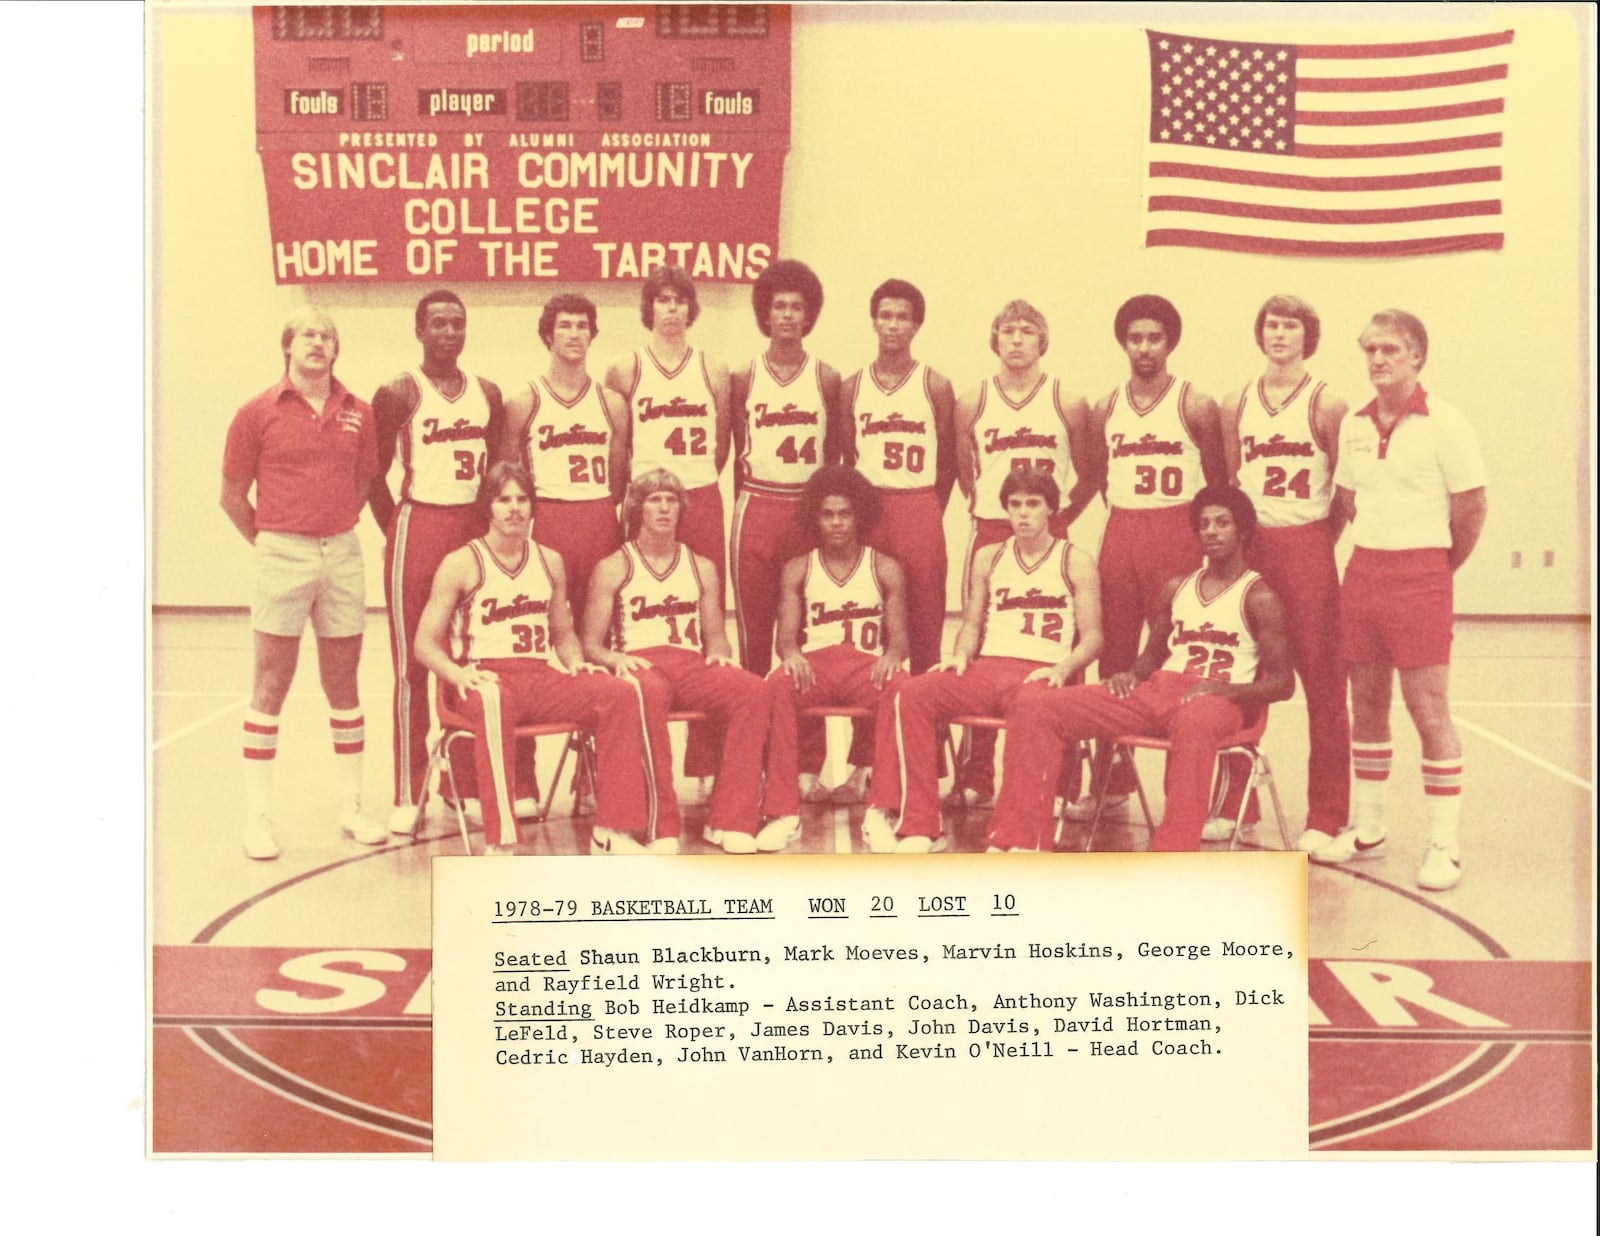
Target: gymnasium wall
985, 154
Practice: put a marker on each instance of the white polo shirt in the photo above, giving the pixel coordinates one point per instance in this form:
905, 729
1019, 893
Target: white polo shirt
1402, 481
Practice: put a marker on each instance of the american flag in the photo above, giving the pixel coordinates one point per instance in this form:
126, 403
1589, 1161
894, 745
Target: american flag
1321, 150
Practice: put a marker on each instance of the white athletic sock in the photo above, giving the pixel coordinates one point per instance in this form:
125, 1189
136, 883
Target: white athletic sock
1441, 788
260, 752
348, 727
1370, 762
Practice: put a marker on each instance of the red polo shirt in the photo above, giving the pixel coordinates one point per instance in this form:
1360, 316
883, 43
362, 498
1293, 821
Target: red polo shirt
311, 473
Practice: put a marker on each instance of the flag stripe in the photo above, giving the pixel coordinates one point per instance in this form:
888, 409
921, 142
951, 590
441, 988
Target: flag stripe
1392, 150
1405, 115
1273, 246
1378, 51
1418, 81
1300, 214
1321, 184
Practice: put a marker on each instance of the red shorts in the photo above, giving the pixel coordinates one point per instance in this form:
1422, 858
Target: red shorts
1396, 608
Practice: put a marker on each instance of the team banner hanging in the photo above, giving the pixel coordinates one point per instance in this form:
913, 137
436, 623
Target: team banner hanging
1320, 150
521, 142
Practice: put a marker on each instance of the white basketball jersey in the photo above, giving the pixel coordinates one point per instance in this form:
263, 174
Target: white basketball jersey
1028, 433
444, 444
508, 613
1154, 461
783, 428
897, 442
674, 418
1282, 466
1030, 614
656, 611
1212, 639
843, 611
567, 443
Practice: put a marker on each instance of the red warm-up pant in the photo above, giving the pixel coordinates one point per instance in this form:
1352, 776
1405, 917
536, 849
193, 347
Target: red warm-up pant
532, 691
1044, 721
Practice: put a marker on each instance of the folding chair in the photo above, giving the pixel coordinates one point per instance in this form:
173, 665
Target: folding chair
821, 712
453, 725
1246, 743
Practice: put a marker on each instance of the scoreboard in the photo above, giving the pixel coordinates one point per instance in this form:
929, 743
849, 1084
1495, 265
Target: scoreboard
501, 143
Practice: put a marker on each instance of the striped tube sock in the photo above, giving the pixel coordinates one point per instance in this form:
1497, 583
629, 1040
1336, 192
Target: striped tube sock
1441, 788
260, 752
1370, 763
348, 728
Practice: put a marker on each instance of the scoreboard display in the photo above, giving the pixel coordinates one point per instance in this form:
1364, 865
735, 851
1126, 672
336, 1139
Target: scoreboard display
521, 142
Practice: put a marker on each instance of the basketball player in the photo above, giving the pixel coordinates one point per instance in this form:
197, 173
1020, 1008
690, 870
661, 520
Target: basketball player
1281, 433
785, 419
1019, 418
842, 634
1033, 612
1218, 652
1410, 479
899, 432
503, 599
654, 614
572, 436
308, 446
678, 409
445, 424
1156, 440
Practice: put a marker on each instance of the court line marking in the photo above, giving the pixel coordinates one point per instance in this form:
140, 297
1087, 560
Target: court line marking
1533, 759
1522, 704
239, 701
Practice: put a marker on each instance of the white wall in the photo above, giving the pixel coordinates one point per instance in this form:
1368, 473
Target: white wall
984, 154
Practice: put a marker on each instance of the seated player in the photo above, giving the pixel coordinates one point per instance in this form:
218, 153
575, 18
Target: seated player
654, 615
1218, 653
503, 600
1032, 612
844, 605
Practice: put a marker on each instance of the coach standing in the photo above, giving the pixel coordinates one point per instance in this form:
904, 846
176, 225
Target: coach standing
310, 449
1410, 480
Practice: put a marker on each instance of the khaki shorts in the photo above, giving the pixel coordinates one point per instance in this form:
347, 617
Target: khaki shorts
300, 577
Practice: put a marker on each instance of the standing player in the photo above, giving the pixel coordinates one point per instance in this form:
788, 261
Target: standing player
1218, 653
654, 613
678, 409
1033, 612
677, 399
1411, 481
503, 599
1282, 437
841, 635
785, 425
307, 445
1020, 418
445, 423
572, 436
1157, 440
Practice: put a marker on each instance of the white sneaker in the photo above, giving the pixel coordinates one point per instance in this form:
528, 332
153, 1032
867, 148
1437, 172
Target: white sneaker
921, 845
259, 843
664, 845
523, 808
1083, 809
1312, 840
730, 841
1348, 847
403, 820
500, 851
361, 827
1440, 870
855, 789
877, 830
610, 841
812, 790
1217, 828
777, 834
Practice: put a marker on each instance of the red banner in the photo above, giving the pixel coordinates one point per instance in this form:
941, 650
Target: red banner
521, 142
